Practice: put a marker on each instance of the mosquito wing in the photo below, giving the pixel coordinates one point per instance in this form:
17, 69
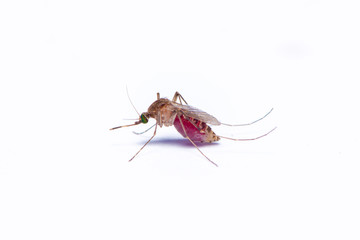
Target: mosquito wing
198, 114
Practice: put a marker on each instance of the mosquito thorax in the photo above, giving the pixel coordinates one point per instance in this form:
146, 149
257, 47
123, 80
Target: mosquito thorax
144, 118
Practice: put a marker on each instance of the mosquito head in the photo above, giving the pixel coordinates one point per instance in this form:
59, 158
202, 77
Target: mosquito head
144, 117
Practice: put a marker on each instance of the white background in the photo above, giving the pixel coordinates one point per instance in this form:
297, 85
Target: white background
64, 68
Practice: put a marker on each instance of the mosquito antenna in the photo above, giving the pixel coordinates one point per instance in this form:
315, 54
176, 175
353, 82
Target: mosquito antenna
249, 139
127, 92
247, 124
139, 133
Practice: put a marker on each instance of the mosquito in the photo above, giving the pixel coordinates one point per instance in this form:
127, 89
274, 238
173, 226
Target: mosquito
190, 122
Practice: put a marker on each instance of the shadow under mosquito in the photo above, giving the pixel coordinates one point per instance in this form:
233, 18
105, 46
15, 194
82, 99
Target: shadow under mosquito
177, 142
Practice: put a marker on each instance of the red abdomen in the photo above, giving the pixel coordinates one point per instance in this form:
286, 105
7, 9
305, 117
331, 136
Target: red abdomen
201, 133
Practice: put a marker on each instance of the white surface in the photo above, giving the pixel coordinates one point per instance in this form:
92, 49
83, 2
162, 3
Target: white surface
64, 68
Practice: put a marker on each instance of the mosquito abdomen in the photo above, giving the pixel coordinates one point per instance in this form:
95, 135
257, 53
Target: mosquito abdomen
196, 130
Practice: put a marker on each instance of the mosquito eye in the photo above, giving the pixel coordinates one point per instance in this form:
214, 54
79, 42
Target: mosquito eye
144, 119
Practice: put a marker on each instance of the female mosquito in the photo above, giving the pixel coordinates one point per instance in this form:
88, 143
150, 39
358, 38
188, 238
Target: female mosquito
190, 122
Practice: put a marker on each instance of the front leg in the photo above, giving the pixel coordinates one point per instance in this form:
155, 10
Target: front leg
178, 95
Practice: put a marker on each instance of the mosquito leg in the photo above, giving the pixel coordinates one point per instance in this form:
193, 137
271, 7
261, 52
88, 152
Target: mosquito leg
138, 133
144, 144
248, 139
178, 95
247, 124
182, 125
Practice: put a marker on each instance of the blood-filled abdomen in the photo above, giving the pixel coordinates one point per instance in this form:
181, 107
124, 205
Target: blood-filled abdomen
196, 130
